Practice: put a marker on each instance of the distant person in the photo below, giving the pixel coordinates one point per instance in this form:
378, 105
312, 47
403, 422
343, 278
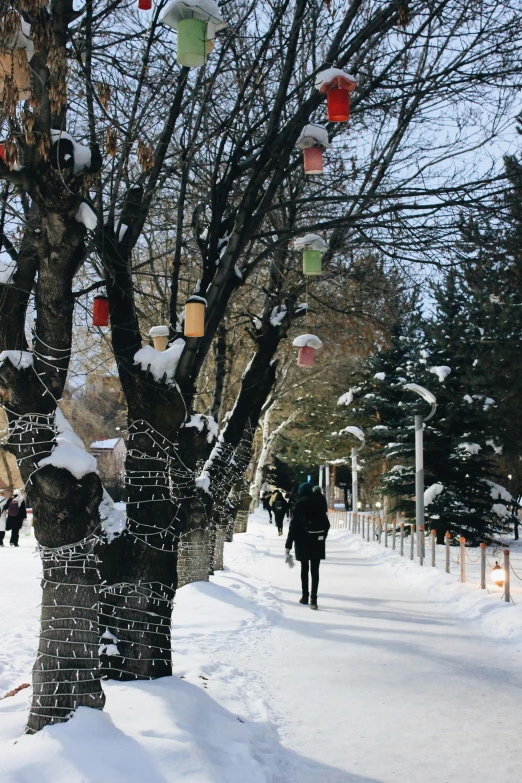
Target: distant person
4, 502
16, 513
280, 509
266, 504
292, 500
309, 528
319, 492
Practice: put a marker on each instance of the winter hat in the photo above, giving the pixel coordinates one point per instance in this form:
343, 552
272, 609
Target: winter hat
306, 490
318, 490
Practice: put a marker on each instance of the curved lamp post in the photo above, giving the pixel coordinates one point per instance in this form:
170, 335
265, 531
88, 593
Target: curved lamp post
419, 459
360, 435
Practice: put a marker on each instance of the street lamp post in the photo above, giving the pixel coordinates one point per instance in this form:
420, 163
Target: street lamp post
419, 460
360, 435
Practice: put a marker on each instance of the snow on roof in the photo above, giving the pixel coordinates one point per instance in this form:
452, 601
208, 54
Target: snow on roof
69, 452
335, 77
160, 362
307, 340
310, 242
110, 443
312, 135
205, 10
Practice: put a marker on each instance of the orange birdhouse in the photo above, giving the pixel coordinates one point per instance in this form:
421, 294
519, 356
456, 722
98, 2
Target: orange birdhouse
195, 316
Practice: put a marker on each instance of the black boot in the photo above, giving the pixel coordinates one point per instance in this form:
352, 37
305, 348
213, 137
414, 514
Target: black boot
304, 599
313, 602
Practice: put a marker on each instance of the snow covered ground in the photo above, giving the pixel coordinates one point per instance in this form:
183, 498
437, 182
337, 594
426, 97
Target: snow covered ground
402, 675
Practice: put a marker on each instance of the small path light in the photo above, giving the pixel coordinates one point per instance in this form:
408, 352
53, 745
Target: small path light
497, 574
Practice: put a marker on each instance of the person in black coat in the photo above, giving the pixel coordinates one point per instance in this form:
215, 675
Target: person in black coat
308, 530
319, 492
266, 504
16, 513
280, 509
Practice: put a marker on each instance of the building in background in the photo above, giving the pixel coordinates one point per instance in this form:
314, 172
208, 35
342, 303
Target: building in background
110, 457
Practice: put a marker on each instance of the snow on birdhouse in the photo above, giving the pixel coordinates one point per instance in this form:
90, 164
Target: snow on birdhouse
100, 311
312, 140
196, 22
313, 246
195, 317
337, 85
160, 337
308, 344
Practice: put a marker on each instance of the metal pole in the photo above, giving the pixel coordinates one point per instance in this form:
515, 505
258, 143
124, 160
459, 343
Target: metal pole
394, 533
483, 566
386, 533
421, 541
433, 546
362, 527
355, 494
373, 529
507, 591
327, 483
447, 538
412, 539
419, 481
401, 540
462, 559
368, 530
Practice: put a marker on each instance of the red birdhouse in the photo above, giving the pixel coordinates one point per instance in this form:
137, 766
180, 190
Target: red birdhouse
100, 311
2, 151
337, 85
144, 5
306, 356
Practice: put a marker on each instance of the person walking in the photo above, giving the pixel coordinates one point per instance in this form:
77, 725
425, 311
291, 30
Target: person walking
266, 504
308, 530
16, 513
280, 509
4, 502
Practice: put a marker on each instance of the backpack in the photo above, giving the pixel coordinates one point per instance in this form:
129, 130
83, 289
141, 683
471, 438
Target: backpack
13, 509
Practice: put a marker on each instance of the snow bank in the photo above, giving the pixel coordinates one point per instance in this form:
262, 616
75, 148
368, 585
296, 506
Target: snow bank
160, 363
69, 452
21, 360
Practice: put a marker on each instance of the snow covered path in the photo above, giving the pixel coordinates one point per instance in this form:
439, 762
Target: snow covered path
387, 682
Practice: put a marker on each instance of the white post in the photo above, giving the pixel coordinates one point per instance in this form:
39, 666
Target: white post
483, 566
327, 483
419, 482
507, 591
433, 546
355, 488
394, 533
321, 476
402, 539
386, 533
412, 539
462, 559
448, 551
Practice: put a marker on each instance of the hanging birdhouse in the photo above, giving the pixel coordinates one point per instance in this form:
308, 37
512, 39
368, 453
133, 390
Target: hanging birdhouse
14, 61
2, 151
196, 22
100, 311
195, 317
313, 247
312, 140
337, 85
308, 344
144, 5
160, 337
